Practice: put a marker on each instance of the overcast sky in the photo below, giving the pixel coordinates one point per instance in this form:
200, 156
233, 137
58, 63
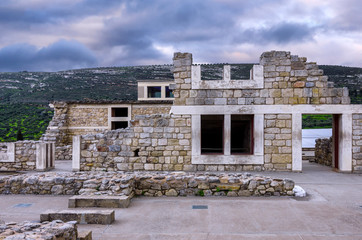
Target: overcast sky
44, 35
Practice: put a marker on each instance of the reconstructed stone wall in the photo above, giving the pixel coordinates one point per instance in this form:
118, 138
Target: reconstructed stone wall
146, 183
288, 79
55, 230
84, 116
24, 159
357, 142
278, 141
324, 151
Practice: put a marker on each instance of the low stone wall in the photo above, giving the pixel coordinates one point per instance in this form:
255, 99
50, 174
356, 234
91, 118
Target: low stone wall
146, 183
207, 184
308, 154
324, 151
68, 183
55, 230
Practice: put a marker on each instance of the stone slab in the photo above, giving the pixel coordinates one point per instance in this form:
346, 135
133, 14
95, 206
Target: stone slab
81, 216
85, 235
85, 201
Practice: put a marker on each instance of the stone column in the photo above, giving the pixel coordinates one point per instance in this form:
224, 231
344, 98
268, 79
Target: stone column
345, 143
76, 154
297, 142
41, 156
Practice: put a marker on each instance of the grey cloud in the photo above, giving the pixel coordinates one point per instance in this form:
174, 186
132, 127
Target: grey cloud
61, 55
281, 33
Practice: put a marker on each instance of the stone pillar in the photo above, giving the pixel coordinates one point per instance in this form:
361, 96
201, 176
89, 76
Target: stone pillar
297, 142
345, 143
182, 74
41, 156
76, 154
45, 154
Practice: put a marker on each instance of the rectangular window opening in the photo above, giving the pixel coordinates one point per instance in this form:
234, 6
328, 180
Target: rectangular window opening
212, 128
242, 134
154, 92
119, 124
120, 112
169, 93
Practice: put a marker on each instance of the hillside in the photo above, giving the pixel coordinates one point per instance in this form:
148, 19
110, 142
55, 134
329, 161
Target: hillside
24, 96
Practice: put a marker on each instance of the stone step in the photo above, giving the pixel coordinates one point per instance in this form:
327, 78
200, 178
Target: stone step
85, 235
81, 216
86, 201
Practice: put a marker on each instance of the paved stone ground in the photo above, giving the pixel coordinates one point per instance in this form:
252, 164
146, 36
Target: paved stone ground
332, 210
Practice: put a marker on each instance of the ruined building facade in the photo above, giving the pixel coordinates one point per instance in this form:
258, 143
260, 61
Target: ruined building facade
190, 124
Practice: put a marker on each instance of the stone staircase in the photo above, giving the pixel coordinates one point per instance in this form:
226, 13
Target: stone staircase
88, 216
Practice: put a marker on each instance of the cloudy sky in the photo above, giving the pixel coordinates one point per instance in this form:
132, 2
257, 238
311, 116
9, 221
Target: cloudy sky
43, 35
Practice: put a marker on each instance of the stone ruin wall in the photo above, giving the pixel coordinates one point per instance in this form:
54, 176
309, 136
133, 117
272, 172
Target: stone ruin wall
24, 156
154, 142
324, 151
357, 143
54, 230
288, 79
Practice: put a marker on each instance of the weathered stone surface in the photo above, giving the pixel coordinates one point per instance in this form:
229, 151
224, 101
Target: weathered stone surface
104, 217
114, 189
101, 201
56, 230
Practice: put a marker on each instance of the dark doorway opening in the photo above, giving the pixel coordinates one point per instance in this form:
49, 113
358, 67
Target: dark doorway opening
242, 134
212, 128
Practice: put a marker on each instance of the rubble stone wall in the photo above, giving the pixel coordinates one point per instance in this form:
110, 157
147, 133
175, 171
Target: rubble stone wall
24, 159
55, 230
146, 183
278, 141
324, 151
357, 142
154, 142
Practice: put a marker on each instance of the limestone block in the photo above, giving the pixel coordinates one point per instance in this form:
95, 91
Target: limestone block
275, 93
299, 84
281, 158
81, 216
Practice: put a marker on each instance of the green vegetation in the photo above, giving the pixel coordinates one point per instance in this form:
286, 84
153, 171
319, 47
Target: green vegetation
30, 120
200, 193
316, 121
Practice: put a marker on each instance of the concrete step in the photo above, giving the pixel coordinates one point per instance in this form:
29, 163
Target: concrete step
81, 216
86, 201
84, 235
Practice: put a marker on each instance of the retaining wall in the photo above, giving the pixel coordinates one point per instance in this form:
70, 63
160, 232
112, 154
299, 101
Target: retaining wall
146, 183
